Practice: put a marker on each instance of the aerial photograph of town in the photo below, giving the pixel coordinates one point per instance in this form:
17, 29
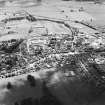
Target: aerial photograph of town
52, 52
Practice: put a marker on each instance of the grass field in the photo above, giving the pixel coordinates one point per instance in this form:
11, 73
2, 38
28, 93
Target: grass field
95, 10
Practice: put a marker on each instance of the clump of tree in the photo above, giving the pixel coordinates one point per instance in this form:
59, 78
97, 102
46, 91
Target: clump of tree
39, 1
